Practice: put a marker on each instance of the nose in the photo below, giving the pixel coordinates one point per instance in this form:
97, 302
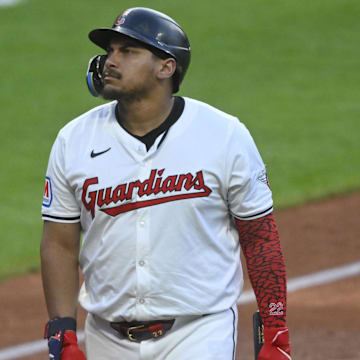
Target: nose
110, 63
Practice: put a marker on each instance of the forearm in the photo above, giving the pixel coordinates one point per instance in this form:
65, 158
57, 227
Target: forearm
60, 275
261, 247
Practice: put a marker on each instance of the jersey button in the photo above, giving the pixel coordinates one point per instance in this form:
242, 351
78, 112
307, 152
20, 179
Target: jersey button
142, 301
142, 263
142, 223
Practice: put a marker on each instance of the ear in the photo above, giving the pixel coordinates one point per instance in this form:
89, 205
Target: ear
167, 68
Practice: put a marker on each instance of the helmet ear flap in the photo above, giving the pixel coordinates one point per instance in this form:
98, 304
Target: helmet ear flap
94, 78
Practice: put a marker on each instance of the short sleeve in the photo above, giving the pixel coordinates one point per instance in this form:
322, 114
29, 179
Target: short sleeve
59, 203
249, 194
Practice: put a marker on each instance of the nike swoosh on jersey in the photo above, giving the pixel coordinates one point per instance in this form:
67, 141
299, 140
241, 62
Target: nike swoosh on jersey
94, 154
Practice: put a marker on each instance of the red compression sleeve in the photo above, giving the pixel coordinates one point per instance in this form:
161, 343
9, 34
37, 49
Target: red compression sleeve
260, 244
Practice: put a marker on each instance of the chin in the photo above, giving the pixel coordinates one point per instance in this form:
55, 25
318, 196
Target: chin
109, 93
130, 95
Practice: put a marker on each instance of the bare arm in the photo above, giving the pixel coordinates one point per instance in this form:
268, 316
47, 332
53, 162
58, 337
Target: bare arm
59, 252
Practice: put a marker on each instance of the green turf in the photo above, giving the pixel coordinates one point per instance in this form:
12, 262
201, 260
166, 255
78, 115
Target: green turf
287, 69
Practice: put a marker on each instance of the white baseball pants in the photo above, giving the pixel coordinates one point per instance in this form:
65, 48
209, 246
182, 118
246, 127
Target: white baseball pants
211, 337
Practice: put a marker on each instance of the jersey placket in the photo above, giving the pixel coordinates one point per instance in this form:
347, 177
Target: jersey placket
143, 246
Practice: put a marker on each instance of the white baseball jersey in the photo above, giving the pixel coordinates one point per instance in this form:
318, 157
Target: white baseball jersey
158, 234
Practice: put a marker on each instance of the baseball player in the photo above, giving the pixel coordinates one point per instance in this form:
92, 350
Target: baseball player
165, 191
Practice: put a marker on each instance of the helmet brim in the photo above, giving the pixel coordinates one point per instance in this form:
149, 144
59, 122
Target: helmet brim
102, 37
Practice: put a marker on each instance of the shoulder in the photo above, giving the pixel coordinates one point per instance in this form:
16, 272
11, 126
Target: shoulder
85, 123
213, 118
208, 109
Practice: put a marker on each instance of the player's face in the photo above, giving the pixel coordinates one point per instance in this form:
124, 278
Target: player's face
129, 71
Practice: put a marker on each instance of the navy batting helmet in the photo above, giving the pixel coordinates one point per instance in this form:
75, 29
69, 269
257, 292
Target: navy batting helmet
152, 28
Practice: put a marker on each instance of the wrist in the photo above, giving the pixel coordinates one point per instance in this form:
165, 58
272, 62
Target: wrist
57, 324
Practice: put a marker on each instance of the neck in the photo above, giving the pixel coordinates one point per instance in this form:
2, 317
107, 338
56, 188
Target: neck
143, 115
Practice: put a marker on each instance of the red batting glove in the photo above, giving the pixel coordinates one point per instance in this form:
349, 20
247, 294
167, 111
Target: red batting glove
70, 348
276, 344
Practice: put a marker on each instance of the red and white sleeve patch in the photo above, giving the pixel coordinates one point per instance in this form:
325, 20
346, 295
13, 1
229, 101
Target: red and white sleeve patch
48, 195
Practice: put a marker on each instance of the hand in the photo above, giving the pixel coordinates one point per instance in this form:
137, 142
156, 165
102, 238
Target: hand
55, 345
71, 350
62, 339
64, 346
276, 344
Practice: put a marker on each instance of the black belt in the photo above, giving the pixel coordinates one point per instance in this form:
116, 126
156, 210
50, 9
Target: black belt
143, 330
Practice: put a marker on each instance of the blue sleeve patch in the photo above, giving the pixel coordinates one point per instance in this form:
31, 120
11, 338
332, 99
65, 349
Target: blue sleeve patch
48, 195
